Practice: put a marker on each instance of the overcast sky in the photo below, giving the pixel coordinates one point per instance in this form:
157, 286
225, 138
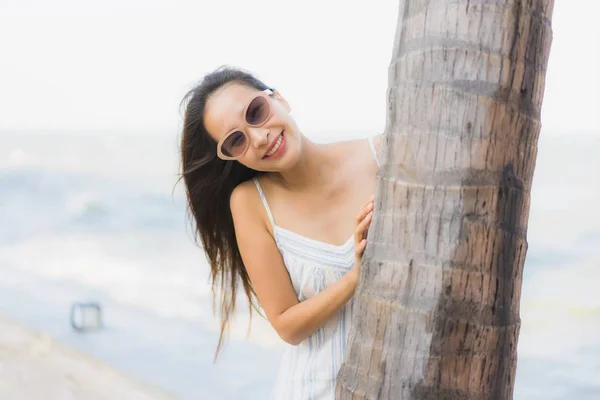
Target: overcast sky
125, 65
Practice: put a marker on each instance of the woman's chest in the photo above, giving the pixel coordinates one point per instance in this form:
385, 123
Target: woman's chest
328, 217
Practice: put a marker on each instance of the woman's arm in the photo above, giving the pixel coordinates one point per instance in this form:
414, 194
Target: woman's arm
294, 321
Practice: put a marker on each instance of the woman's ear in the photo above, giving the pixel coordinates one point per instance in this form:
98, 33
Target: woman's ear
282, 100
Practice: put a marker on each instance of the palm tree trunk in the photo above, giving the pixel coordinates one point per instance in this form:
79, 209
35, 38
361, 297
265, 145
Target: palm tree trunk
437, 308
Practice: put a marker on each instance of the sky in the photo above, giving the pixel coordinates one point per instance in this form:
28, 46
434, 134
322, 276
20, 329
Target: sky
120, 65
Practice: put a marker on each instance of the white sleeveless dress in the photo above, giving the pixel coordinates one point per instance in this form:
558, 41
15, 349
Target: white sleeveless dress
308, 371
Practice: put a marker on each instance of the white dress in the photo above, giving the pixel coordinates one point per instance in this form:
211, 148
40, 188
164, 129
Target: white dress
308, 371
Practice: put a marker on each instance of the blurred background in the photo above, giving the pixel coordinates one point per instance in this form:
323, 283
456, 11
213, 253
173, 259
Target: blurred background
90, 209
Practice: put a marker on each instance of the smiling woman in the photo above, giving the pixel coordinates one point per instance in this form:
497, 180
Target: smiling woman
250, 125
240, 145
235, 143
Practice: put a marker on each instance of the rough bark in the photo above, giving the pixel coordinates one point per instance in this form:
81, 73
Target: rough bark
436, 312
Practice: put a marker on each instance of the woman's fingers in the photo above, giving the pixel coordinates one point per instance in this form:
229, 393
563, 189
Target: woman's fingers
366, 208
360, 247
363, 220
360, 241
362, 227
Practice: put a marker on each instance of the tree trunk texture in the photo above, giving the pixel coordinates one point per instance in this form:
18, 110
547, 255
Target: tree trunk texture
436, 313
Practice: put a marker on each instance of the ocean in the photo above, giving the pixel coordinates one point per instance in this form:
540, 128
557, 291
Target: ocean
93, 216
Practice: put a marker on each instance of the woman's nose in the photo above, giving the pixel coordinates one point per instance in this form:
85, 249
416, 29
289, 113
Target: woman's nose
258, 136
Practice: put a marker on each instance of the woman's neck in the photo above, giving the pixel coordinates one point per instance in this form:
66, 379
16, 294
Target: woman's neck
313, 170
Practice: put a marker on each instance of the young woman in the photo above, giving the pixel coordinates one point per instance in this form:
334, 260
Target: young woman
285, 217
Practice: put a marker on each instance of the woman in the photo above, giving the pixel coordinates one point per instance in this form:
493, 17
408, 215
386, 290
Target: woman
284, 216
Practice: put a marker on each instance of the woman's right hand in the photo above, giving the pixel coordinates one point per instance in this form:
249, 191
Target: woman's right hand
363, 221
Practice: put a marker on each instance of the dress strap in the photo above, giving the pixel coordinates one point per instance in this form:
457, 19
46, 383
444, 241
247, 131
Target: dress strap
374, 151
264, 201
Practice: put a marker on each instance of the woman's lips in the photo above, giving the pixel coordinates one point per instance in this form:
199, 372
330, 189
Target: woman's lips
280, 149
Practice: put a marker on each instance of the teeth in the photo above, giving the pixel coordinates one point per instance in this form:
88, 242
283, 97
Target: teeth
277, 144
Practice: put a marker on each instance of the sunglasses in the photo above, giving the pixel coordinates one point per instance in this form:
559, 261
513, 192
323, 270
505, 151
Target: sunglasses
258, 111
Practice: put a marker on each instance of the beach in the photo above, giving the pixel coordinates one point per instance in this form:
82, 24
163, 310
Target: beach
34, 366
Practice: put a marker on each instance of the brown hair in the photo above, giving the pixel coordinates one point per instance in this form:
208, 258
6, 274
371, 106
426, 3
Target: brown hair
209, 182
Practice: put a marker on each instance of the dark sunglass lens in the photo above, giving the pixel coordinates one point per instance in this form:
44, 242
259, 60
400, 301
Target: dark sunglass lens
258, 111
234, 145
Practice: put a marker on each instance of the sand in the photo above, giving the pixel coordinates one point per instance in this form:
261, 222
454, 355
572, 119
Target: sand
33, 366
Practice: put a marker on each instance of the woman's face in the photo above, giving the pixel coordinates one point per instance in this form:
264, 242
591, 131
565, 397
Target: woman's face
274, 145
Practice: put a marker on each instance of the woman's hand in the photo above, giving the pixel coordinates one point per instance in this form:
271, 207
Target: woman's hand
363, 221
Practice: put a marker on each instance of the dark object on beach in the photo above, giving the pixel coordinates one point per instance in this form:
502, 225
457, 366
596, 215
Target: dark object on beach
86, 316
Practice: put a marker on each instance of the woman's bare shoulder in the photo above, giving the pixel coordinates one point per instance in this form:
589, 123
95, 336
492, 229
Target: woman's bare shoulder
357, 142
244, 196
362, 146
246, 206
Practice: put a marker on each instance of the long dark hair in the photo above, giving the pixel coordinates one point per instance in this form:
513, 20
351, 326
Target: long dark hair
209, 182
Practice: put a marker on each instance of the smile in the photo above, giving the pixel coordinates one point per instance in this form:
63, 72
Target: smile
277, 147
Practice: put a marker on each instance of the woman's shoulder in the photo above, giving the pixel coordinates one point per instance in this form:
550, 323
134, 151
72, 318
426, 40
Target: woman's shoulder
244, 194
377, 139
360, 146
360, 142
247, 208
